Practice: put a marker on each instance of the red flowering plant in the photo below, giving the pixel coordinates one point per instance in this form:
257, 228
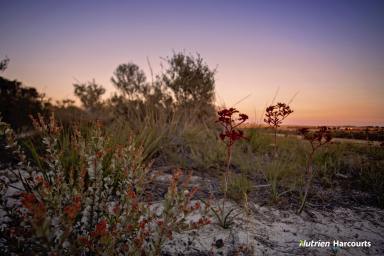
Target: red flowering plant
274, 116
100, 204
230, 119
168, 220
317, 139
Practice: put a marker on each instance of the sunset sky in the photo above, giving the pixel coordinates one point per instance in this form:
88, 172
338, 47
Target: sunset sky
330, 54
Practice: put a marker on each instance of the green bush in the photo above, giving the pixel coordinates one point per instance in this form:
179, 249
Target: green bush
260, 141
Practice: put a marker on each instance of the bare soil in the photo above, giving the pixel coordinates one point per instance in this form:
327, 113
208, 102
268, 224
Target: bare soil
276, 229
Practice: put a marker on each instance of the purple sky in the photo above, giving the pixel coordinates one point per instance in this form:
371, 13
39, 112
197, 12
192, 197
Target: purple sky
329, 52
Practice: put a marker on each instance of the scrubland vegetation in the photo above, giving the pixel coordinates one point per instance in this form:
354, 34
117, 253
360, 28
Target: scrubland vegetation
85, 178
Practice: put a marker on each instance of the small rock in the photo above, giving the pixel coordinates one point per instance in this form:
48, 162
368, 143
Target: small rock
219, 243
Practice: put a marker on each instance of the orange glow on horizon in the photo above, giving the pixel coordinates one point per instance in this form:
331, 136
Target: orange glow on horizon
333, 63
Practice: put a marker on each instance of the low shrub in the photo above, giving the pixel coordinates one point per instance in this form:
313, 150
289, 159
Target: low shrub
102, 207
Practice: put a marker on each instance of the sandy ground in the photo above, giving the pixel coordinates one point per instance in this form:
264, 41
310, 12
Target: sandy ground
268, 231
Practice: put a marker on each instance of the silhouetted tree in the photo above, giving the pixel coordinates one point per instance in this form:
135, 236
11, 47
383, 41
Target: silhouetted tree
186, 84
65, 103
130, 80
18, 102
190, 79
4, 64
89, 94
136, 94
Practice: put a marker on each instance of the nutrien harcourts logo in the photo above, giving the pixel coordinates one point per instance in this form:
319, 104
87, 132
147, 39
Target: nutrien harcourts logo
334, 243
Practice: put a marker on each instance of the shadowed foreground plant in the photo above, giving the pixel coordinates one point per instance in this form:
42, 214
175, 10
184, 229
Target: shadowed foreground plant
229, 136
317, 139
274, 116
104, 208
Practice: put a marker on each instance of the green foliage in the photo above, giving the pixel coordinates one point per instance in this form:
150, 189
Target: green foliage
239, 187
196, 146
190, 79
187, 84
206, 151
283, 174
225, 217
363, 165
331, 161
102, 207
372, 179
151, 133
368, 134
191, 82
259, 140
